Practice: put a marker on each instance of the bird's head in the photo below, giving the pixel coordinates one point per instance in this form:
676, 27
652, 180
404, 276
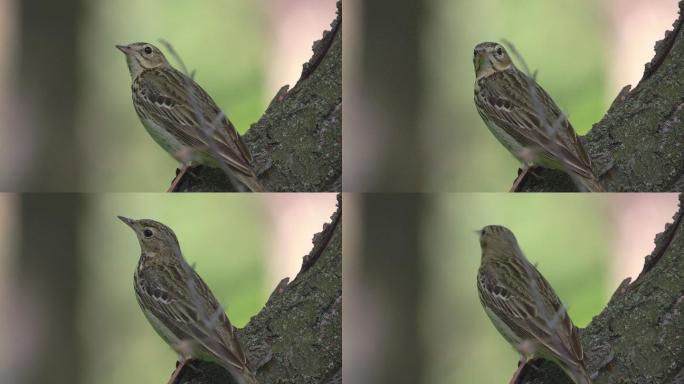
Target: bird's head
142, 56
489, 58
496, 237
153, 236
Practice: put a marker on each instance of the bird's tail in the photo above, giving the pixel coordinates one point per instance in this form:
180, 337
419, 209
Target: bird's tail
247, 377
578, 374
251, 182
590, 184
587, 181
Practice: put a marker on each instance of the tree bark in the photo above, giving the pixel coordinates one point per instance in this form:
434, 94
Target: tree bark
639, 336
639, 143
297, 337
297, 143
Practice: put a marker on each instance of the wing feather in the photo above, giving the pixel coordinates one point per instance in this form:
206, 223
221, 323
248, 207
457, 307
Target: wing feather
531, 310
179, 104
506, 99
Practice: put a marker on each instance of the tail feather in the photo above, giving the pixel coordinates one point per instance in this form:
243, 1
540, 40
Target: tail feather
590, 184
578, 374
251, 182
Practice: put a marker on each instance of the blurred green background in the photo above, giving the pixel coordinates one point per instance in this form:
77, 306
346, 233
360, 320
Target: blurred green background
568, 237
567, 50
68, 311
65, 99
411, 283
226, 42
410, 81
224, 237
584, 52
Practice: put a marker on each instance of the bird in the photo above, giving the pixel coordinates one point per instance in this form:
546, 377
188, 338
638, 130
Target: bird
524, 308
526, 120
183, 119
180, 306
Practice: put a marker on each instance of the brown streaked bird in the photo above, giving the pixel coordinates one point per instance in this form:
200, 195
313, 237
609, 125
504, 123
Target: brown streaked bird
183, 119
525, 119
524, 308
180, 306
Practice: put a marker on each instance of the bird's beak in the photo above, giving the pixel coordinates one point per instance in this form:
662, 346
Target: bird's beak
126, 220
478, 232
125, 49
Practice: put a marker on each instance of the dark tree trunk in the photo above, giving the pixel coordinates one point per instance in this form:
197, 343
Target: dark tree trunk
49, 274
297, 143
639, 336
639, 143
49, 46
297, 337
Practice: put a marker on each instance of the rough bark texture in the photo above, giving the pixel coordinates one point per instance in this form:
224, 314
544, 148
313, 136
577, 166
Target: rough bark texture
639, 143
297, 337
639, 336
297, 143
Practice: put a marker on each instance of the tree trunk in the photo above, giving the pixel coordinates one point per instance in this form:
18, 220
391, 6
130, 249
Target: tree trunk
639, 336
49, 46
297, 337
297, 143
50, 275
639, 143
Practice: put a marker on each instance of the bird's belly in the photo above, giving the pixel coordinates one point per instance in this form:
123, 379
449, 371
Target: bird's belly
165, 333
507, 141
175, 148
504, 329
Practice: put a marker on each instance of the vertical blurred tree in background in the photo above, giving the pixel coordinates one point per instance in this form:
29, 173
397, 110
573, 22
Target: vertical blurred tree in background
68, 113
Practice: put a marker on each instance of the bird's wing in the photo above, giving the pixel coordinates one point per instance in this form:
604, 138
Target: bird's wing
514, 103
179, 104
527, 304
189, 310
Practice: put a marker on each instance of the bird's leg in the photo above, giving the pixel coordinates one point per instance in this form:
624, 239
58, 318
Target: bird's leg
522, 172
518, 375
179, 176
180, 365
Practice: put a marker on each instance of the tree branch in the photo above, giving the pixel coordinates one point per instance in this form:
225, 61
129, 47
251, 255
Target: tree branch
297, 143
297, 336
639, 336
639, 143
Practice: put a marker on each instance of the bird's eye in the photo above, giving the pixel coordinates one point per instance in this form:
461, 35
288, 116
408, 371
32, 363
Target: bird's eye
475, 52
147, 233
148, 50
499, 51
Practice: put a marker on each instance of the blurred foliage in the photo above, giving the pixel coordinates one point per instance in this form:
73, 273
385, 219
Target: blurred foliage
567, 236
226, 42
221, 235
563, 41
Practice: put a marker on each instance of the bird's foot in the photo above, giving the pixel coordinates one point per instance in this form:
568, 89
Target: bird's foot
176, 375
519, 373
180, 172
